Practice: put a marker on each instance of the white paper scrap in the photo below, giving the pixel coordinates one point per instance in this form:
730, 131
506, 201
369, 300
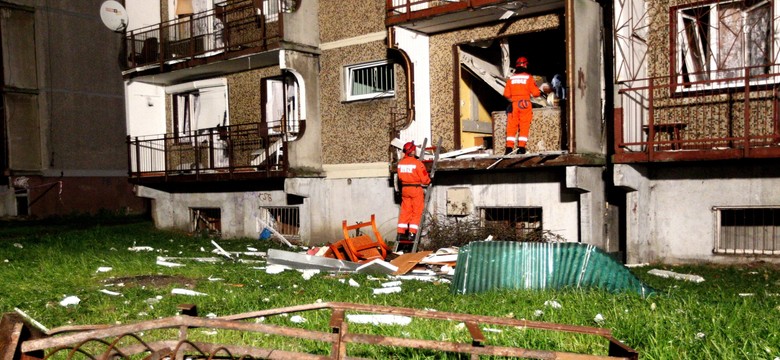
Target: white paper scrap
140, 248
388, 290
70, 300
275, 269
104, 269
379, 319
298, 319
308, 273
168, 263
353, 283
177, 291
553, 304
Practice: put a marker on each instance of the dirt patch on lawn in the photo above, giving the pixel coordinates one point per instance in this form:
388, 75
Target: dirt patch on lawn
155, 281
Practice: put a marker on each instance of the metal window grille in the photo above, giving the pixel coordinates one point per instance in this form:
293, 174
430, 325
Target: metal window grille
286, 220
371, 80
750, 230
525, 221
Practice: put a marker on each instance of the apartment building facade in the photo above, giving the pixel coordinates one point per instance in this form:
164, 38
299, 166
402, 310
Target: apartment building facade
62, 124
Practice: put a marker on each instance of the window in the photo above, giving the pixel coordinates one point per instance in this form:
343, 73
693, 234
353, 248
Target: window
720, 40
750, 230
203, 108
369, 80
285, 220
282, 113
523, 222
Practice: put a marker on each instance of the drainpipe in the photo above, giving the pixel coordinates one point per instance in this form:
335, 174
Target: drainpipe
409, 75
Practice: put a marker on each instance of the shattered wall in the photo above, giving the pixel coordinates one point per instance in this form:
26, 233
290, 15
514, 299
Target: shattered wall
442, 106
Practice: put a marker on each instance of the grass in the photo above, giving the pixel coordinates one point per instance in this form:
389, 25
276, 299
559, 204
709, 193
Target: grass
42, 262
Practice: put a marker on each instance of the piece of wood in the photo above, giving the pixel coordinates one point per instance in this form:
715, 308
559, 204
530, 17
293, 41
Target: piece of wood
407, 262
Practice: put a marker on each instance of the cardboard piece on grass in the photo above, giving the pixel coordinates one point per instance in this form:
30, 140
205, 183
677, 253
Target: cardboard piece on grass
303, 261
407, 262
377, 267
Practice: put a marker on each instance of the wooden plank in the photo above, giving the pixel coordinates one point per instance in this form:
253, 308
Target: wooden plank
407, 262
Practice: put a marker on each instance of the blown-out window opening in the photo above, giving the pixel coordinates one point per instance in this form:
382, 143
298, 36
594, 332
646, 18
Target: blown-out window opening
285, 220
524, 221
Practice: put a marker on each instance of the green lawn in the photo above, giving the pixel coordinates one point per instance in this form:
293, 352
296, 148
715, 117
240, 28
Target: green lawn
734, 314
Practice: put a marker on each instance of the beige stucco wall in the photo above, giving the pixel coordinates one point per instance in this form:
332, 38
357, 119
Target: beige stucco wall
245, 94
442, 106
341, 19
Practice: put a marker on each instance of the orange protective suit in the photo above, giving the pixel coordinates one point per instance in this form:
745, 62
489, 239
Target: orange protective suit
518, 90
413, 176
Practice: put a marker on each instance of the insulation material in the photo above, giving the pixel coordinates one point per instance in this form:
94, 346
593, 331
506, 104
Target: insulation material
492, 265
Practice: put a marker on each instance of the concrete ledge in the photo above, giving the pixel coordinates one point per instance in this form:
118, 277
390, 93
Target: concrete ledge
366, 170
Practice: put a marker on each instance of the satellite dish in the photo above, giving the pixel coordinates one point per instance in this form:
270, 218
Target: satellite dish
114, 15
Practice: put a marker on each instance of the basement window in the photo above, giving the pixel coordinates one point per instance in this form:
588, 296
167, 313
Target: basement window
721, 40
522, 222
285, 220
749, 230
369, 80
206, 221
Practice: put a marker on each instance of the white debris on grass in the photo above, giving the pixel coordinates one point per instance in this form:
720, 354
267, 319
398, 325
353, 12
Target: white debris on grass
275, 269
109, 292
18, 245
379, 319
674, 275
353, 283
140, 248
388, 290
220, 250
553, 304
298, 319
215, 279
178, 291
599, 319
70, 300
104, 269
162, 262
391, 284
538, 313
700, 335
637, 265
211, 316
653, 306
308, 273
251, 248
746, 294
487, 329
31, 320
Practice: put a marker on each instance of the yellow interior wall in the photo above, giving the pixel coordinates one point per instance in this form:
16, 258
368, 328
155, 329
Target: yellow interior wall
469, 139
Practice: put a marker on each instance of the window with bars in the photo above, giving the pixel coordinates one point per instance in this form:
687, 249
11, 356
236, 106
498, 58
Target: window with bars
524, 221
721, 39
750, 230
369, 80
286, 220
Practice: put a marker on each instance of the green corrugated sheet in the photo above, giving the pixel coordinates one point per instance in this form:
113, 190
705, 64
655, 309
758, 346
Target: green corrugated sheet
492, 265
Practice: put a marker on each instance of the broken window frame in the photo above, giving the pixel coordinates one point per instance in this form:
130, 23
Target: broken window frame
188, 113
747, 230
701, 55
380, 82
281, 105
515, 215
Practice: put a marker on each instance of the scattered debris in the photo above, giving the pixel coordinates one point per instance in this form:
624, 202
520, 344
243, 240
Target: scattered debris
303, 261
377, 267
140, 248
298, 319
353, 283
391, 284
31, 320
109, 292
275, 269
406, 262
162, 262
308, 273
674, 275
387, 290
276, 234
104, 269
177, 291
220, 250
18, 245
553, 304
379, 319
599, 319
70, 300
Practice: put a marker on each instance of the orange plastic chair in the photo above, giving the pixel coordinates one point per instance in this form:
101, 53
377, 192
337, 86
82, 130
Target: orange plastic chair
362, 248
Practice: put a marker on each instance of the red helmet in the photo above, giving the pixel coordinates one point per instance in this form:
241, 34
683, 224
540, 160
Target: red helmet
522, 62
409, 148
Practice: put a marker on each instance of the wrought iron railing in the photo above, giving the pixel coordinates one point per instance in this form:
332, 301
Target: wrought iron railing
253, 147
231, 26
667, 118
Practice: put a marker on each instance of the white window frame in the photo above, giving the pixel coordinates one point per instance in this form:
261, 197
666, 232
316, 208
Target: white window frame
710, 61
352, 71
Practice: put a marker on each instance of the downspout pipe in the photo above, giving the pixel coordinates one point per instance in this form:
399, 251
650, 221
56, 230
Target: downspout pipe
410, 106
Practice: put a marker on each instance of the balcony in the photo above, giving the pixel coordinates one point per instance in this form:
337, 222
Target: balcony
225, 153
433, 16
731, 115
231, 29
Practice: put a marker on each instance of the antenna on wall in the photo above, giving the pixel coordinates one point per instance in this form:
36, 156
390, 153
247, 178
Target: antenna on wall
114, 15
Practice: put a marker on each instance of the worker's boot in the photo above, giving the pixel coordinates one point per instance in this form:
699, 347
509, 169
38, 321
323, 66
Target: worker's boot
508, 151
521, 150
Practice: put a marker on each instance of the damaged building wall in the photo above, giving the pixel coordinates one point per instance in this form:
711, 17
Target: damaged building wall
441, 67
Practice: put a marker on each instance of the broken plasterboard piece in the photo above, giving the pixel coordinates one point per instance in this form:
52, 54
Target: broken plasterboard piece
303, 261
674, 275
220, 250
109, 292
379, 319
388, 290
439, 259
407, 262
162, 262
455, 153
177, 291
377, 267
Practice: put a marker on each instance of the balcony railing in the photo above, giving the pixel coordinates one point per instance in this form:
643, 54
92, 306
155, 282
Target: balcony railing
223, 151
230, 27
407, 10
724, 117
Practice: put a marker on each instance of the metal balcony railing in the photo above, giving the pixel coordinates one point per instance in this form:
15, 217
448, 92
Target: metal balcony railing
229, 27
399, 11
726, 116
245, 148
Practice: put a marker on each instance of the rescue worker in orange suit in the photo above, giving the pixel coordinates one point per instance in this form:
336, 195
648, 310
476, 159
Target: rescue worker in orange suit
414, 177
519, 89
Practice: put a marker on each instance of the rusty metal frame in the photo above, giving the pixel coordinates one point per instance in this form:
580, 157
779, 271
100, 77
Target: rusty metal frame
83, 339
